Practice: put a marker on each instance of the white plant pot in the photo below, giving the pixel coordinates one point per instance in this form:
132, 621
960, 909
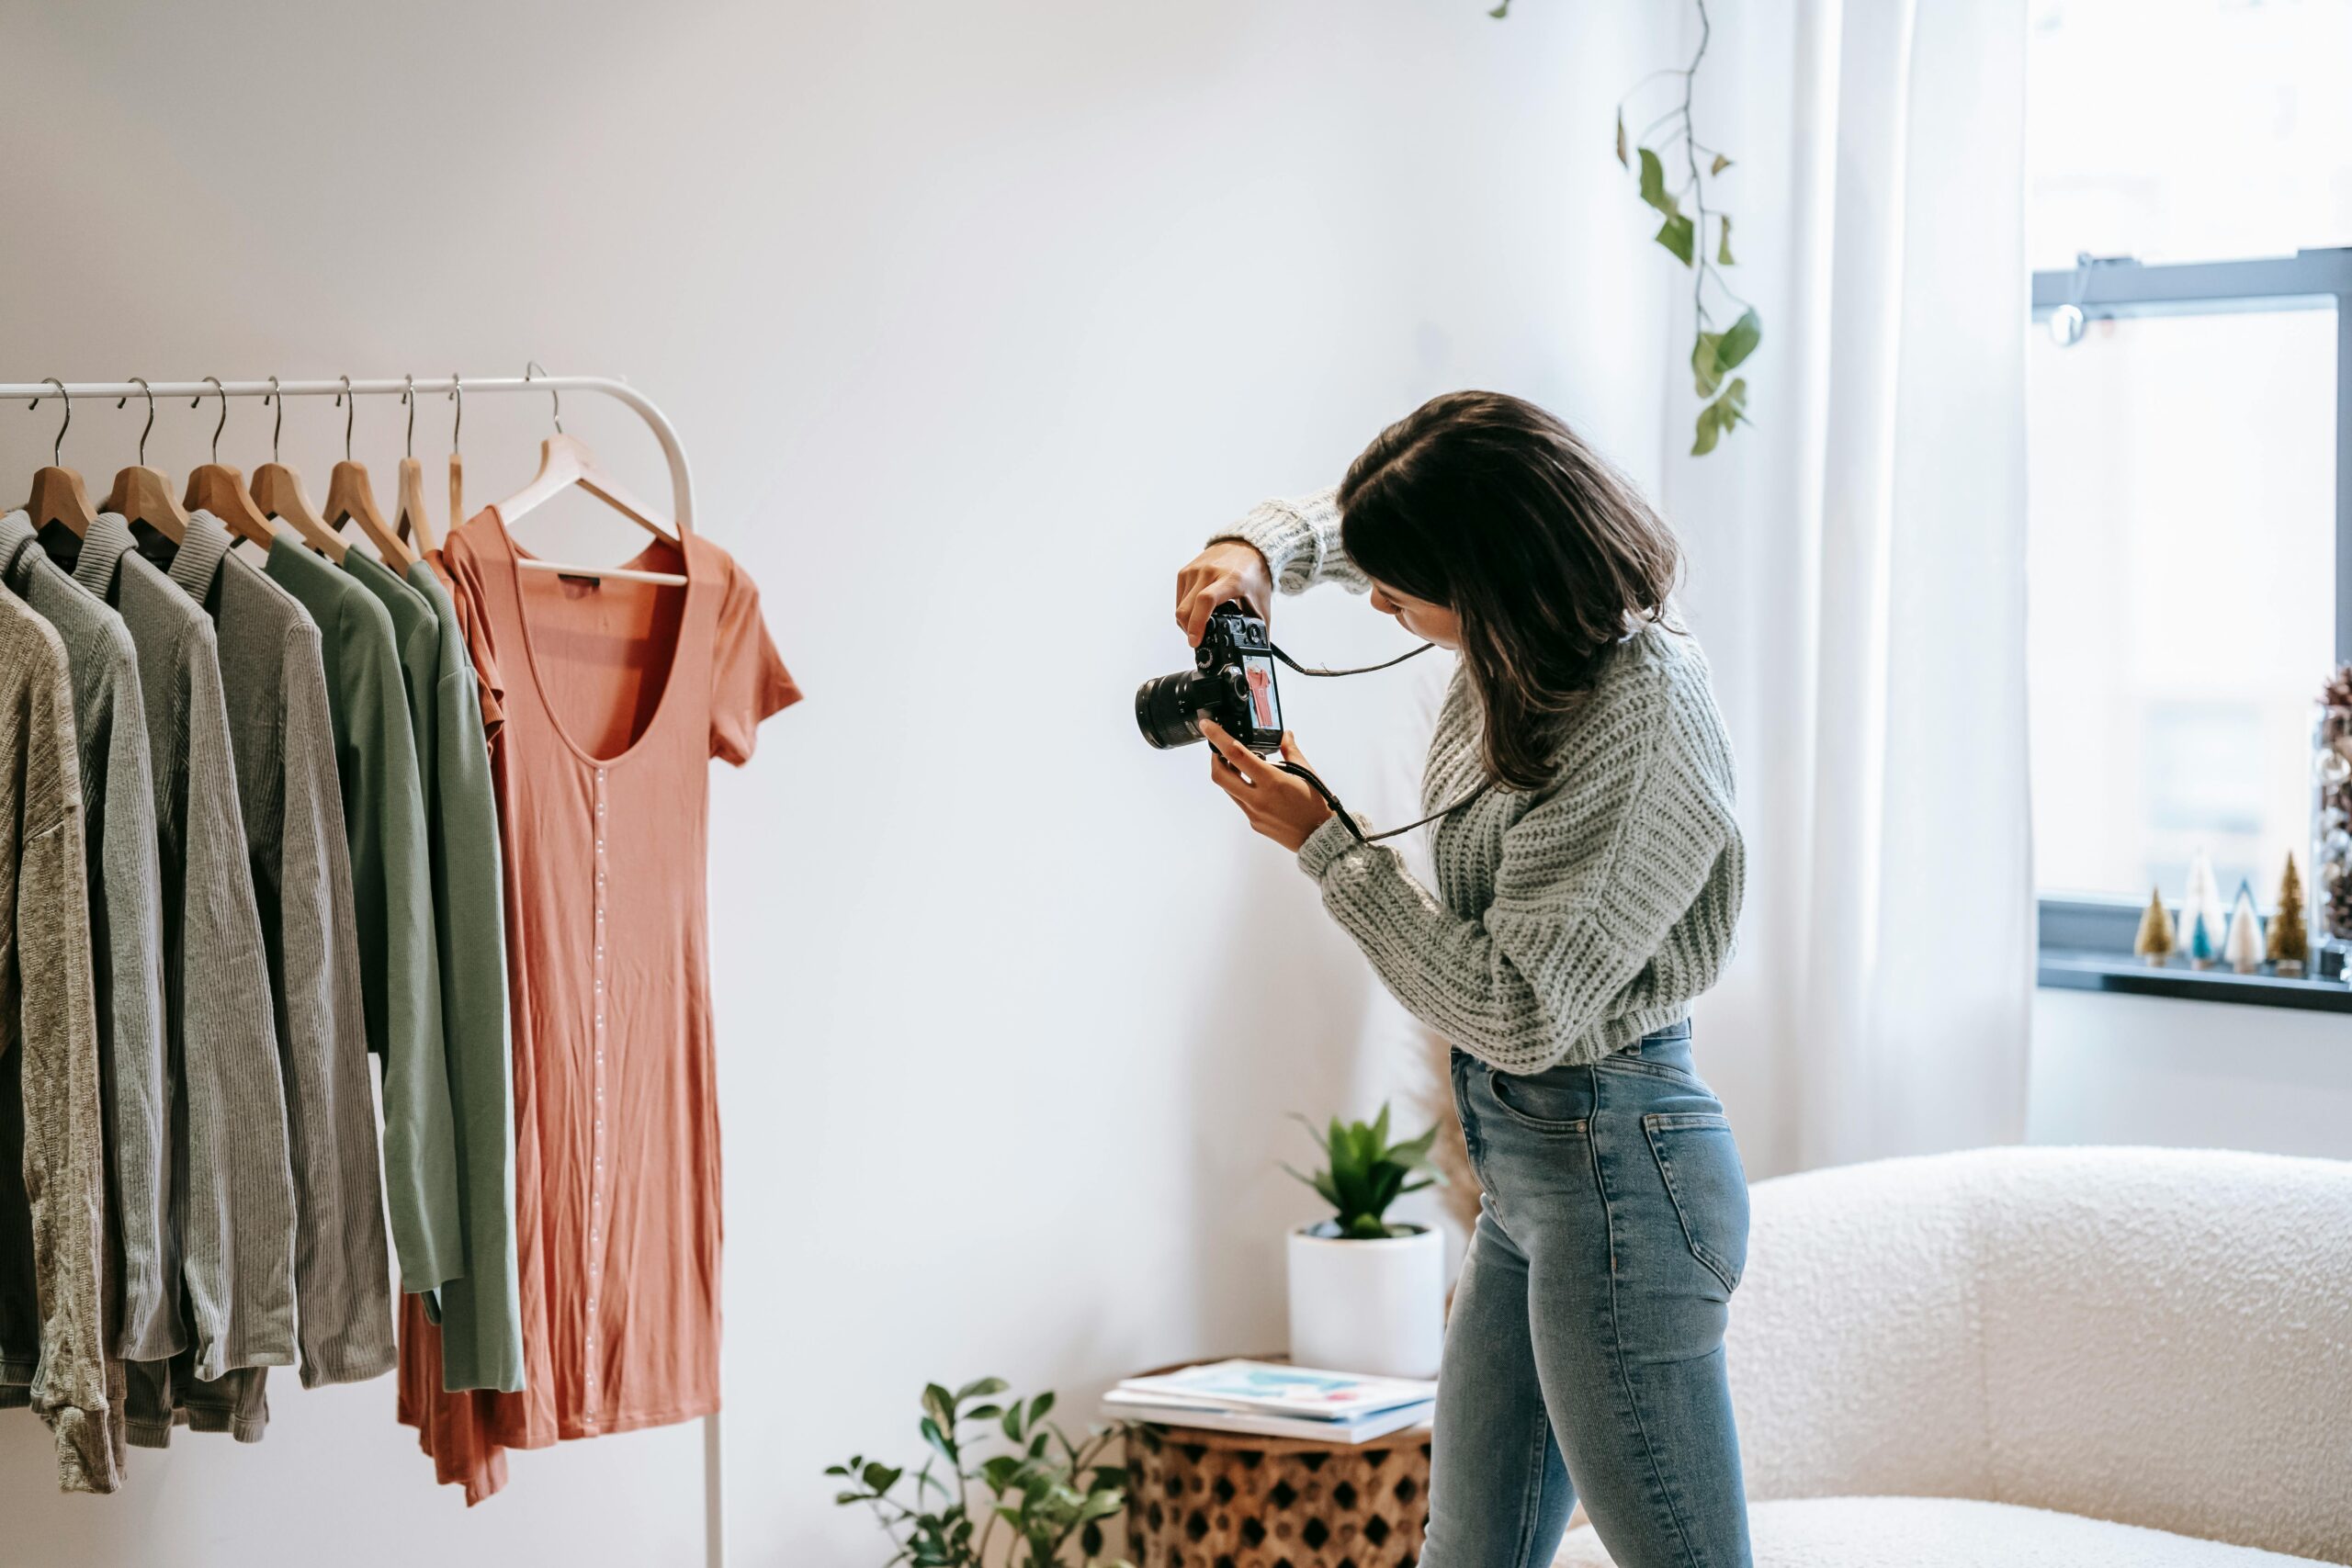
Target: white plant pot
1373, 1307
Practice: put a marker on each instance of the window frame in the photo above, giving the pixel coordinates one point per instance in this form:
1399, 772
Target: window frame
2086, 944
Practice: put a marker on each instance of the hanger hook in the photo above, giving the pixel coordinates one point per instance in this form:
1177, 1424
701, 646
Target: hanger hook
457, 394
197, 401
408, 396
141, 382
57, 449
273, 396
530, 366
350, 411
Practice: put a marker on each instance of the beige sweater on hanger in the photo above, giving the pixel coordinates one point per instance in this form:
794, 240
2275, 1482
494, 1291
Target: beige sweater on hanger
49, 1043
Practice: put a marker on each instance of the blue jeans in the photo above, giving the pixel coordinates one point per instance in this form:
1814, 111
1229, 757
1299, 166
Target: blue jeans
1585, 1354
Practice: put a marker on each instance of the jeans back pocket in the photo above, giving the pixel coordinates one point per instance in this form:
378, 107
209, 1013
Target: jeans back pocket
1699, 1161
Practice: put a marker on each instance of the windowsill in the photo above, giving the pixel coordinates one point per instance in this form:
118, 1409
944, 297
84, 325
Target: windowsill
2065, 969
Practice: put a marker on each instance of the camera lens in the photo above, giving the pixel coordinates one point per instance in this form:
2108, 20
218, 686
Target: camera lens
1168, 707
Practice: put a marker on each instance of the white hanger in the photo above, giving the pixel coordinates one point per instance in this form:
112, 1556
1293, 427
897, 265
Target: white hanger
565, 461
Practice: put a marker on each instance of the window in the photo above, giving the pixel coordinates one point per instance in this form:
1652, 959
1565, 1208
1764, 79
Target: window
2189, 469
2187, 129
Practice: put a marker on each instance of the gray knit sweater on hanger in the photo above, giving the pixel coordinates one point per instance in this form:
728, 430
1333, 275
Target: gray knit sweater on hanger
1566, 922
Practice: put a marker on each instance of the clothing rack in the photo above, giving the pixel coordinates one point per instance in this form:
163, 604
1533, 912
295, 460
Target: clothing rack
714, 1491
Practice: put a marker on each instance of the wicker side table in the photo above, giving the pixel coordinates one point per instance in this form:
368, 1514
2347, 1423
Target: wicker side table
1201, 1499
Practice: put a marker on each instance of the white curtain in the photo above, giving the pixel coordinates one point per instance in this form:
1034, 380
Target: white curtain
1857, 575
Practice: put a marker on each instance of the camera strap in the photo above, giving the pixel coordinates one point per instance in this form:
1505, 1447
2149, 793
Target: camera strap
1331, 800
1300, 770
1360, 670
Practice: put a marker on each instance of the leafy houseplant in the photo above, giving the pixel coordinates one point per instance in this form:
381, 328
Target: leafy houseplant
1362, 1173
1367, 1296
1040, 1492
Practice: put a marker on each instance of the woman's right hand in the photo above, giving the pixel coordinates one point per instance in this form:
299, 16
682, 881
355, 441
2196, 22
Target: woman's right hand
1226, 570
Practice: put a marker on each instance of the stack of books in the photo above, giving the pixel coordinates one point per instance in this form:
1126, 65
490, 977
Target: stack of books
1267, 1400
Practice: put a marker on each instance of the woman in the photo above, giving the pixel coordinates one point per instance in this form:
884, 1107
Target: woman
1587, 883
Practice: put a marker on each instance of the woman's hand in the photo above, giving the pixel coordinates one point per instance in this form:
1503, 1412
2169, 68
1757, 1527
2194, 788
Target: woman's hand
1226, 571
1282, 806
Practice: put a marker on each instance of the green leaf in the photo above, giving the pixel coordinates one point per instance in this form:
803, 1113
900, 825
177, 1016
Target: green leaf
880, 1477
1089, 1539
1502, 9
937, 1438
1654, 190
1719, 165
845, 1498
1740, 341
1621, 158
938, 1406
1414, 1151
1734, 403
1710, 431
1723, 248
1678, 236
1706, 372
1040, 1405
980, 1389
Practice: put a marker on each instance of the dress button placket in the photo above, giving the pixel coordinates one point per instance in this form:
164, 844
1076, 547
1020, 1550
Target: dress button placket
596, 1171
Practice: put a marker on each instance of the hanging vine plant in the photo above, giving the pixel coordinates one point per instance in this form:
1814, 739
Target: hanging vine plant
1698, 235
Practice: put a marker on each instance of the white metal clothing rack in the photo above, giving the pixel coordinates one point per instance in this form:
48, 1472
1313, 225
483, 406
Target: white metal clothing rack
714, 1490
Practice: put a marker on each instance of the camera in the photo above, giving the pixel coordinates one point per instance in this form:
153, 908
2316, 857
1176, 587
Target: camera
1231, 681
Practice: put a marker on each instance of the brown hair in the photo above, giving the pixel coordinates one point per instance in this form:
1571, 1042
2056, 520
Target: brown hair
1497, 509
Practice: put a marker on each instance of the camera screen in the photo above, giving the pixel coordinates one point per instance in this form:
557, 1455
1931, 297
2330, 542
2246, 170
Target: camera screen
1263, 710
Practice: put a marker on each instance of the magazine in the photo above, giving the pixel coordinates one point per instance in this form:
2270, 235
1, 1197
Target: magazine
1268, 1388
1359, 1428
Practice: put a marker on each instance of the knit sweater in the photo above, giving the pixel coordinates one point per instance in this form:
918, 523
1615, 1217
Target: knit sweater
1567, 921
50, 1115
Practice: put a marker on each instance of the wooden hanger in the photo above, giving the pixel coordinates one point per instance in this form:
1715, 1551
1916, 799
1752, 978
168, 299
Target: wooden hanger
277, 490
139, 493
565, 461
351, 497
216, 488
58, 494
410, 520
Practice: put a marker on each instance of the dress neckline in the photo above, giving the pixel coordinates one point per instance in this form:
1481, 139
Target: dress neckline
515, 555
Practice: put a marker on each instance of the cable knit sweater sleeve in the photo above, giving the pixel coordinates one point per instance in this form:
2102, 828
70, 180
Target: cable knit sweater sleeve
1300, 540
1625, 870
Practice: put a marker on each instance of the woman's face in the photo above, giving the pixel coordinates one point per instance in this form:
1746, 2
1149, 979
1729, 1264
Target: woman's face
1430, 623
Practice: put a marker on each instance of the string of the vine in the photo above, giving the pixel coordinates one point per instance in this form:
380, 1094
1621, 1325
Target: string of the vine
1713, 355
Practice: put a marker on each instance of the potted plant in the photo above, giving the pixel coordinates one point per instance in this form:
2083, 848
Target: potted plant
1030, 1504
1367, 1296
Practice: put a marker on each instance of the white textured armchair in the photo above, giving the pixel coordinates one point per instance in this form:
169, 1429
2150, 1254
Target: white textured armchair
2080, 1358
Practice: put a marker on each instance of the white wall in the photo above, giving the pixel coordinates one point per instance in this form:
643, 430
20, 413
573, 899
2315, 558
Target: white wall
2118, 1069
975, 318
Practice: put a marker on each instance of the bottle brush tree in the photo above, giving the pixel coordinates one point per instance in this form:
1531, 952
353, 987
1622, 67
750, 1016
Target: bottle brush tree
2243, 945
2290, 941
1362, 1173
2156, 941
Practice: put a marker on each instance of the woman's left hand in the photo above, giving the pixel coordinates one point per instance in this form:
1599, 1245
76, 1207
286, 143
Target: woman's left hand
1282, 806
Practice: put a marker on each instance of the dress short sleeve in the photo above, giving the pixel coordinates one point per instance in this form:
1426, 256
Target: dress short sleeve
748, 679
459, 568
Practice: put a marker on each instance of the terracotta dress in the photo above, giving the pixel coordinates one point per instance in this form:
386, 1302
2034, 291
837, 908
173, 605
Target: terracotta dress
606, 702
